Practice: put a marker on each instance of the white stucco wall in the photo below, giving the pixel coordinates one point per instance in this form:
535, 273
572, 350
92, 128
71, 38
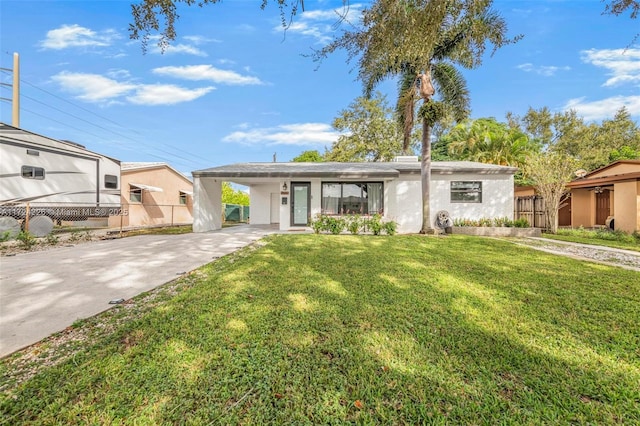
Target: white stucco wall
403, 199
207, 204
497, 197
260, 202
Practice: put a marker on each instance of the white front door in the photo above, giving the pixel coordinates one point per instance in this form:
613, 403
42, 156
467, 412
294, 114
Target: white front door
275, 207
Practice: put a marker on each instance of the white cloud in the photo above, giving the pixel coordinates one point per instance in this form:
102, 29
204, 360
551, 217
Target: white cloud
623, 64
76, 36
196, 39
544, 70
177, 49
320, 24
604, 108
92, 87
290, 134
207, 72
100, 89
165, 94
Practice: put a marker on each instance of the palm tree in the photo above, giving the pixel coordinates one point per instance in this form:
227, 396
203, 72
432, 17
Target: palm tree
422, 40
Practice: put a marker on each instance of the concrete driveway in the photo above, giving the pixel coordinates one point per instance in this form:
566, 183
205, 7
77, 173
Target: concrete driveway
44, 292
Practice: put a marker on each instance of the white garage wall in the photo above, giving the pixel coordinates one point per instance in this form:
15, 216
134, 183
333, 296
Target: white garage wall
260, 203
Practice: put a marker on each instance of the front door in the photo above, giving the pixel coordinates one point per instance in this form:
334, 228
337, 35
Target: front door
602, 207
300, 201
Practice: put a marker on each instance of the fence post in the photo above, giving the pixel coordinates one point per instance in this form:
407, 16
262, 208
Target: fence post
26, 218
533, 207
171, 214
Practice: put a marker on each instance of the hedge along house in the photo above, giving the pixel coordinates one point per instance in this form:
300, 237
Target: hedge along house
292, 194
609, 193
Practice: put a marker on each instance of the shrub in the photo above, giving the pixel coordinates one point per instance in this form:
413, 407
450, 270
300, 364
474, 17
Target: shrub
390, 227
335, 225
354, 224
5, 236
52, 239
374, 223
521, 223
318, 223
27, 240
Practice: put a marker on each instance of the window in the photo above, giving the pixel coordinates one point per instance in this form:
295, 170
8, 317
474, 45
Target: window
30, 172
466, 192
352, 198
135, 195
183, 198
111, 181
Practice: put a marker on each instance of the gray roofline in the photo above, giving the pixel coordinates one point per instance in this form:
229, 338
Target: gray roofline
388, 170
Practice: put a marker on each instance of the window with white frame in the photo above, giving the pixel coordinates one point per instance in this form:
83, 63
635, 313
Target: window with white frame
31, 172
466, 192
352, 198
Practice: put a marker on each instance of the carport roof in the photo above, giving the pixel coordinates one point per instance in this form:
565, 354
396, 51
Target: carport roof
347, 170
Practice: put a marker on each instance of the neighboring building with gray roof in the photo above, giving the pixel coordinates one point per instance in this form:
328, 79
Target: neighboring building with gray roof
291, 194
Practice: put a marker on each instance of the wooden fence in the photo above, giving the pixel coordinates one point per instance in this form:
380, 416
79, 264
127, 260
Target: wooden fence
532, 209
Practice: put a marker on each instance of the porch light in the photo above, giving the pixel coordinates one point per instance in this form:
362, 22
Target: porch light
284, 186
598, 190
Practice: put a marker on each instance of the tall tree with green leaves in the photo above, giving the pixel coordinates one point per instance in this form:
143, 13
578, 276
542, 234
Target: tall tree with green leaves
230, 195
312, 156
593, 145
488, 141
424, 40
550, 173
369, 132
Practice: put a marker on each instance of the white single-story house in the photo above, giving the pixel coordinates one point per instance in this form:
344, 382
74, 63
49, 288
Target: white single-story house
292, 194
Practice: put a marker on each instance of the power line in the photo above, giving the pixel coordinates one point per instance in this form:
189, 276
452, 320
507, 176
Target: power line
189, 162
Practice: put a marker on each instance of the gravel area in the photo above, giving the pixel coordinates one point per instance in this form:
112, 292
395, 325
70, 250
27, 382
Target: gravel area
610, 256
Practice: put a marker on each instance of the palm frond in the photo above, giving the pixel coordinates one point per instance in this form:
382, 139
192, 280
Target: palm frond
452, 88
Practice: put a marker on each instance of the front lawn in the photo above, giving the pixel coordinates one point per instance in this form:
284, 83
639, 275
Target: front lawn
321, 329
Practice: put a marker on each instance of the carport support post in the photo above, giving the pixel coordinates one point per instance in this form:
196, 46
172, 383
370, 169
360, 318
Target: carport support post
207, 204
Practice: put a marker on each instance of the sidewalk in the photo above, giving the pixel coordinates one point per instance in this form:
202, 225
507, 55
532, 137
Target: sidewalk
611, 256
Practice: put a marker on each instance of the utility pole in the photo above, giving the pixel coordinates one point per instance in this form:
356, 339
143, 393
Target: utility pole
15, 100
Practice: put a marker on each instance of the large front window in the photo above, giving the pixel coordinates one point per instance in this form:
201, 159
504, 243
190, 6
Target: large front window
352, 198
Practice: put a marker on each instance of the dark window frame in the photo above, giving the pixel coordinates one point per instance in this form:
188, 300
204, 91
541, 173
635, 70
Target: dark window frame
341, 203
467, 191
111, 183
183, 198
135, 191
31, 172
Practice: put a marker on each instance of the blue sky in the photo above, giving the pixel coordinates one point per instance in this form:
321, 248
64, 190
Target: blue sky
235, 87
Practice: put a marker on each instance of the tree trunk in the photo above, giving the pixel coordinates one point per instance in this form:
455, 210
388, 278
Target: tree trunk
426, 178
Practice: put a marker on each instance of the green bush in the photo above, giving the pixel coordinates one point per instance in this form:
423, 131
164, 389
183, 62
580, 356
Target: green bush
521, 223
354, 224
374, 223
498, 222
27, 240
390, 227
5, 236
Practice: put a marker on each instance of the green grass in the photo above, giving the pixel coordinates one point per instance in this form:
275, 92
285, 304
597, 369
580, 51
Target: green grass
320, 329
605, 238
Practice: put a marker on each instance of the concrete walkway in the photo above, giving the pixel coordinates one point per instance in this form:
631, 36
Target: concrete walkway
44, 292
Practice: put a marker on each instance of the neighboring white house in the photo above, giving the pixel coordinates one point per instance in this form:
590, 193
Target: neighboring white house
291, 194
